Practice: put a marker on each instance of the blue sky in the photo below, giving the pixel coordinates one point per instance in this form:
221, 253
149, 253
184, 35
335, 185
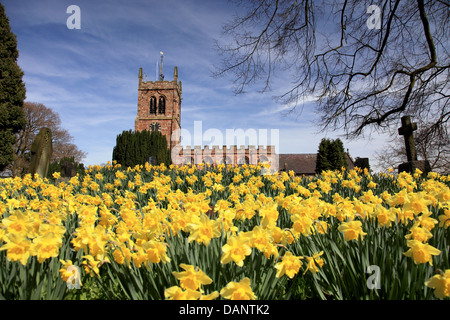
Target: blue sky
89, 76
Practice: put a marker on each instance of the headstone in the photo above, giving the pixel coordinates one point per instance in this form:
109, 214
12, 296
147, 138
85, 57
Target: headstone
41, 152
412, 164
68, 169
153, 161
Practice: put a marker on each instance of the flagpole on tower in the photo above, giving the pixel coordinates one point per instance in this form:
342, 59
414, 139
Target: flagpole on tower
161, 75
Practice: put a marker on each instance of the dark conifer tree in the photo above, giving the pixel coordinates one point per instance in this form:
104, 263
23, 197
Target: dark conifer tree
322, 162
12, 91
135, 148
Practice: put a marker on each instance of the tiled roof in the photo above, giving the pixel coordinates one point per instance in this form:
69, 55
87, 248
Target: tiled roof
303, 163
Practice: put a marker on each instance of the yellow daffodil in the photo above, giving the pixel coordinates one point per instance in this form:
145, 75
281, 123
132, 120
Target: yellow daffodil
311, 265
418, 233
421, 252
192, 278
302, 224
70, 274
241, 290
91, 266
289, 265
204, 230
46, 246
441, 284
352, 230
56, 175
236, 249
385, 216
269, 214
156, 251
18, 248
444, 219
177, 293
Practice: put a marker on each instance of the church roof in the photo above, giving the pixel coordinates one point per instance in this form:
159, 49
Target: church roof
303, 163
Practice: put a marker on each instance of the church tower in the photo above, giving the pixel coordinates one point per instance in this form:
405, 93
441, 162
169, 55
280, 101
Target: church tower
159, 106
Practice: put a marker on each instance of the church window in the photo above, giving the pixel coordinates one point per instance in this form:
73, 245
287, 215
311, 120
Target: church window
243, 160
263, 159
152, 105
208, 160
162, 105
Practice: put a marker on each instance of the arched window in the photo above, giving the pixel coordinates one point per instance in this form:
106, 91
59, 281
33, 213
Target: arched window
208, 160
225, 160
162, 105
263, 159
243, 160
152, 105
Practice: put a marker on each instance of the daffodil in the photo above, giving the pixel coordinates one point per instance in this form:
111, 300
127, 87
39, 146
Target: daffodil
352, 230
441, 284
177, 293
18, 248
156, 251
418, 233
302, 224
269, 214
444, 219
385, 216
204, 230
46, 246
311, 265
70, 274
19, 223
56, 175
241, 290
191, 278
236, 249
421, 252
91, 266
289, 265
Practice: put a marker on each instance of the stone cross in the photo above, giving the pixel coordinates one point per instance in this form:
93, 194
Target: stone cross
41, 152
407, 130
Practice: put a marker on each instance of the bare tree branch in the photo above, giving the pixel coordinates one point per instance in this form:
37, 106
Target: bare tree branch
362, 78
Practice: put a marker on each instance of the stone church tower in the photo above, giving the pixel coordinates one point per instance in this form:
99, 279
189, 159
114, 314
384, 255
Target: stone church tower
159, 107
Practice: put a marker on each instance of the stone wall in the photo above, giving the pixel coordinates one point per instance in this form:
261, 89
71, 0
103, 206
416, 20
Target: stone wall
232, 155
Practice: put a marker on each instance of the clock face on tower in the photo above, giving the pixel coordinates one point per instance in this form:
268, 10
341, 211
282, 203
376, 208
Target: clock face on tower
155, 126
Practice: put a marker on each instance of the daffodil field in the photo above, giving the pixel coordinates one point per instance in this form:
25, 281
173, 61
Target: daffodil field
156, 232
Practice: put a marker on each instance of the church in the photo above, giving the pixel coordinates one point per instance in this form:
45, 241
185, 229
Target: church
159, 109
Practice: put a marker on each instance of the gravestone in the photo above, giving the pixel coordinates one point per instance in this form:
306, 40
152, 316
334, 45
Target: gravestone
41, 152
412, 164
68, 169
153, 161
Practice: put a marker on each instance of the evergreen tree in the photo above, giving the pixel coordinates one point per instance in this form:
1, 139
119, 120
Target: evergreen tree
330, 156
342, 160
336, 155
133, 148
322, 162
12, 91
